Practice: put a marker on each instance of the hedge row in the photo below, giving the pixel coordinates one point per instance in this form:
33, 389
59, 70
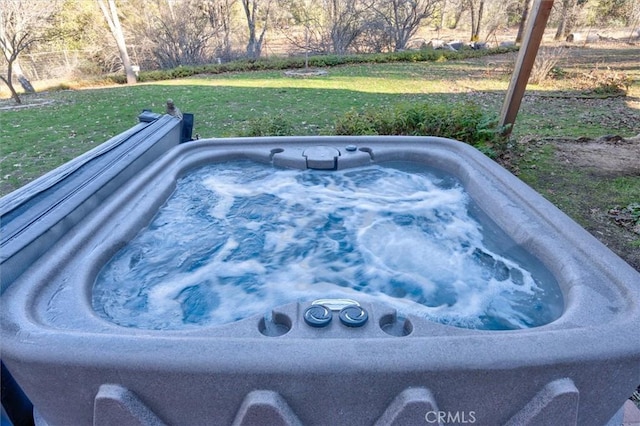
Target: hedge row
423, 55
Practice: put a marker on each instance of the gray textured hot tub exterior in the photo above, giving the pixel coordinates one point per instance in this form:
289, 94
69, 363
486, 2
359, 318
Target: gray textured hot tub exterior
79, 369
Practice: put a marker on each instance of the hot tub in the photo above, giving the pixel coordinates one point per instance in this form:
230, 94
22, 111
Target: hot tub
334, 360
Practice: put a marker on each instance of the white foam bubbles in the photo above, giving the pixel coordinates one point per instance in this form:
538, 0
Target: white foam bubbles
239, 239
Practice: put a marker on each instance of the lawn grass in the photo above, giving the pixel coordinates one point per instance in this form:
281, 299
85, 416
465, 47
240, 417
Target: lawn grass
562, 184
586, 195
37, 139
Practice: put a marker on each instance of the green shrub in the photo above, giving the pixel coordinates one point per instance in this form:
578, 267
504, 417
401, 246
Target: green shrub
269, 126
318, 61
466, 122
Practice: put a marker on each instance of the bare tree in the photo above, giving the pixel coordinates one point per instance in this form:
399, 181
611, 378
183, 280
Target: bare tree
500, 15
616, 12
111, 16
459, 7
219, 14
568, 17
402, 18
311, 25
312, 17
441, 13
523, 19
476, 7
23, 24
179, 41
345, 23
254, 14
329, 26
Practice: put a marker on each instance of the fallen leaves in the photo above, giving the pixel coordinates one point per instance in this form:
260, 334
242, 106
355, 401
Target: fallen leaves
627, 217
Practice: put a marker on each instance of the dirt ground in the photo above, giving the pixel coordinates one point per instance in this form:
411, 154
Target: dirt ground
605, 158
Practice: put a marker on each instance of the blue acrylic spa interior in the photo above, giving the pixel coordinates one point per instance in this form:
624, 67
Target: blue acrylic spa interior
305, 280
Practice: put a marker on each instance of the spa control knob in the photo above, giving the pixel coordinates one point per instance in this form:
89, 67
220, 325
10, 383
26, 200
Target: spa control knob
317, 316
353, 316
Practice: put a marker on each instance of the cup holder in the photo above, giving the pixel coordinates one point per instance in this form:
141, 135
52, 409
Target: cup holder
352, 316
395, 325
274, 325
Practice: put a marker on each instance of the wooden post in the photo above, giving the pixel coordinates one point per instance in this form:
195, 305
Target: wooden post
526, 57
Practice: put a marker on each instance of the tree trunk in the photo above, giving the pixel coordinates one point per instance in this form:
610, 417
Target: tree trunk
226, 26
456, 18
476, 32
253, 47
10, 56
565, 25
24, 81
8, 82
571, 22
443, 7
560, 29
523, 20
472, 10
111, 15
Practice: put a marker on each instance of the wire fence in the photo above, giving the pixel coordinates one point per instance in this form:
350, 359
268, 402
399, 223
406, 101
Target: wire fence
52, 65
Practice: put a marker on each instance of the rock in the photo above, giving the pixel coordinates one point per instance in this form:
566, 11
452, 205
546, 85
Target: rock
573, 37
610, 139
589, 38
455, 45
593, 38
436, 44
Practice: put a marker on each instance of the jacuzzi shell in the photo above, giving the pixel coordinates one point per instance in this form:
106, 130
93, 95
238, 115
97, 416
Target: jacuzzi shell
80, 369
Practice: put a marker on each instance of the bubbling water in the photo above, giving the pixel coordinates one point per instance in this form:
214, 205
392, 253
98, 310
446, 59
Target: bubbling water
238, 239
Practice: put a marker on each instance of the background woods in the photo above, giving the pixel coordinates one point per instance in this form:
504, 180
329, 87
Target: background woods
71, 38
